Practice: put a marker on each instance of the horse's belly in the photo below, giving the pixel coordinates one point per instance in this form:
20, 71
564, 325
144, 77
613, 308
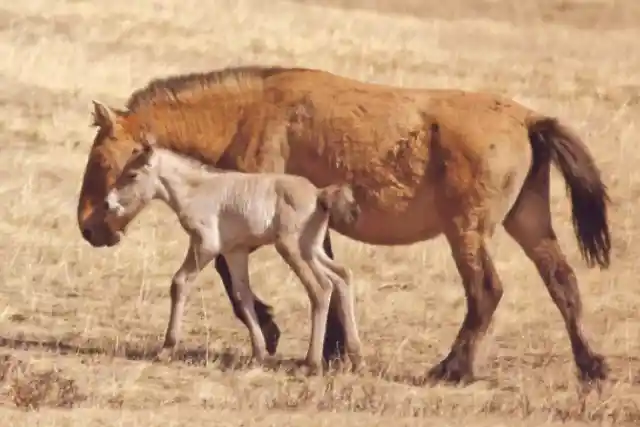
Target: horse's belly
393, 225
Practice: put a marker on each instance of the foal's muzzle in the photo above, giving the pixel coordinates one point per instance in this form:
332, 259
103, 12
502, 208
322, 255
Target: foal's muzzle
111, 205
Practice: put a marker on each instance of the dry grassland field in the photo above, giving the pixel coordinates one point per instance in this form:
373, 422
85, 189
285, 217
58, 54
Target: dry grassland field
77, 323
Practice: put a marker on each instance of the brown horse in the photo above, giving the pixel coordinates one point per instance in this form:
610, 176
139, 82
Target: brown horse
421, 163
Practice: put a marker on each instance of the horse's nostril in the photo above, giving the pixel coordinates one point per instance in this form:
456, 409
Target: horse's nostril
106, 205
86, 234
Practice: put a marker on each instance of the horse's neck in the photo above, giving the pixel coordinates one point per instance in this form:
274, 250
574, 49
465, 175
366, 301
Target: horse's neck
208, 130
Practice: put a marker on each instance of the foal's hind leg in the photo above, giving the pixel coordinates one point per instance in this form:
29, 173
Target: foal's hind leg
333, 346
342, 285
529, 223
270, 329
319, 293
483, 291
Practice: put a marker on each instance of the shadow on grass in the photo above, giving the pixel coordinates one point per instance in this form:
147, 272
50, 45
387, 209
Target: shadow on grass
223, 360
232, 360
147, 349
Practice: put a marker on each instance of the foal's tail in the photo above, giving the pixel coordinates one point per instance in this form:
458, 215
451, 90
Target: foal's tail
338, 200
552, 141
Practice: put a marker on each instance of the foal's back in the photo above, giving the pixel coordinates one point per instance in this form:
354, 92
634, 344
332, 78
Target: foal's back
254, 209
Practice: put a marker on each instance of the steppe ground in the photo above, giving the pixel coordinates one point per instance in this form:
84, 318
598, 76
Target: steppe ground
76, 323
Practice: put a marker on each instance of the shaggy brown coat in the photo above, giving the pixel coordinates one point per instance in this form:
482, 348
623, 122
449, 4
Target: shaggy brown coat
421, 162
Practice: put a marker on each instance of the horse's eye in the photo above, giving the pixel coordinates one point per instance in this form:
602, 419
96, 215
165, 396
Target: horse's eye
132, 175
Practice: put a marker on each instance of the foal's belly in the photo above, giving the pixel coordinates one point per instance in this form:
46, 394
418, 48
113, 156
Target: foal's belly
239, 232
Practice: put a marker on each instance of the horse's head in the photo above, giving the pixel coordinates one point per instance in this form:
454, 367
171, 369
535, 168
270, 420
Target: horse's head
113, 146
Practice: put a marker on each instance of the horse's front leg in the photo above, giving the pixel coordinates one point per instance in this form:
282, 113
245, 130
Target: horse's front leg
238, 262
196, 259
269, 328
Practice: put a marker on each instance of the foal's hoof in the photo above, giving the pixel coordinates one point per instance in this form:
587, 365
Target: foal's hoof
256, 362
311, 369
450, 371
164, 355
357, 363
592, 368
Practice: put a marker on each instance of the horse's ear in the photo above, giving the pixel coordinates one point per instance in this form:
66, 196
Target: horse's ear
103, 116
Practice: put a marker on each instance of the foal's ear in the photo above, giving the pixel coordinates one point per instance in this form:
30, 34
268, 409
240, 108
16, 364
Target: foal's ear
149, 138
147, 141
142, 154
147, 150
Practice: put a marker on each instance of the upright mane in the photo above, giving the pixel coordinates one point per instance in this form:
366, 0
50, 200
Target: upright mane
190, 87
193, 162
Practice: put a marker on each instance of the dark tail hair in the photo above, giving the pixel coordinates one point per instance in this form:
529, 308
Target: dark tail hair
339, 201
553, 141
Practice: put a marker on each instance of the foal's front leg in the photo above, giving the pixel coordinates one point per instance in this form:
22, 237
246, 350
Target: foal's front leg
196, 259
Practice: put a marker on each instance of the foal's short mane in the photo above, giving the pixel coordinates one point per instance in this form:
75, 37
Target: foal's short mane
194, 162
182, 88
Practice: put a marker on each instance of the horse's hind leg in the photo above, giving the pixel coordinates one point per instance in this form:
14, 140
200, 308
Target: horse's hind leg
529, 223
270, 329
483, 291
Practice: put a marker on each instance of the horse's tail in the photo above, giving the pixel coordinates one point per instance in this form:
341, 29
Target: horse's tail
552, 141
339, 202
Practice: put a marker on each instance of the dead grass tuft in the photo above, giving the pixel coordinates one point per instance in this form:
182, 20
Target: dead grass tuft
30, 389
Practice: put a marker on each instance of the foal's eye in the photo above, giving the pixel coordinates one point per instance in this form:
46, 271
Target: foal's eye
132, 175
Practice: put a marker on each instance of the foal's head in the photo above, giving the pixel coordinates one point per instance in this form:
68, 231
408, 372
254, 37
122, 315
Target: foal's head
135, 187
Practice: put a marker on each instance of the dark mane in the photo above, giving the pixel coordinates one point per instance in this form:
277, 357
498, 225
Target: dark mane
183, 87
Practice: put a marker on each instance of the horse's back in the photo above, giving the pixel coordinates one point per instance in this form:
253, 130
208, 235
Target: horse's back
380, 139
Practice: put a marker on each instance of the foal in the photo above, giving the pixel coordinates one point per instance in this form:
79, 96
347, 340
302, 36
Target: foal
232, 213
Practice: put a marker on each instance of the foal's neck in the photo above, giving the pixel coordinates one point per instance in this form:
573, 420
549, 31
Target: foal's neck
179, 177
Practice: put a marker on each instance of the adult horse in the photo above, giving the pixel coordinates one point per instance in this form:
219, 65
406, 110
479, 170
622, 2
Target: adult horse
421, 162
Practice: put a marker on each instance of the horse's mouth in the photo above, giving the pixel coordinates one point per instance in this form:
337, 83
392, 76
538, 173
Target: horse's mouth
114, 239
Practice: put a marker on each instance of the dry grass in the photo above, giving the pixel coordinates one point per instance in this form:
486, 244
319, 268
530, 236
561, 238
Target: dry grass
76, 323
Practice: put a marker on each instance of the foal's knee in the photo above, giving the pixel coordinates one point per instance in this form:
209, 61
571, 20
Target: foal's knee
178, 284
323, 293
345, 274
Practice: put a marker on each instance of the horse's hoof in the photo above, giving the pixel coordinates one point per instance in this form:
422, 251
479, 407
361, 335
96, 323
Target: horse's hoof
271, 334
333, 347
450, 371
592, 368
